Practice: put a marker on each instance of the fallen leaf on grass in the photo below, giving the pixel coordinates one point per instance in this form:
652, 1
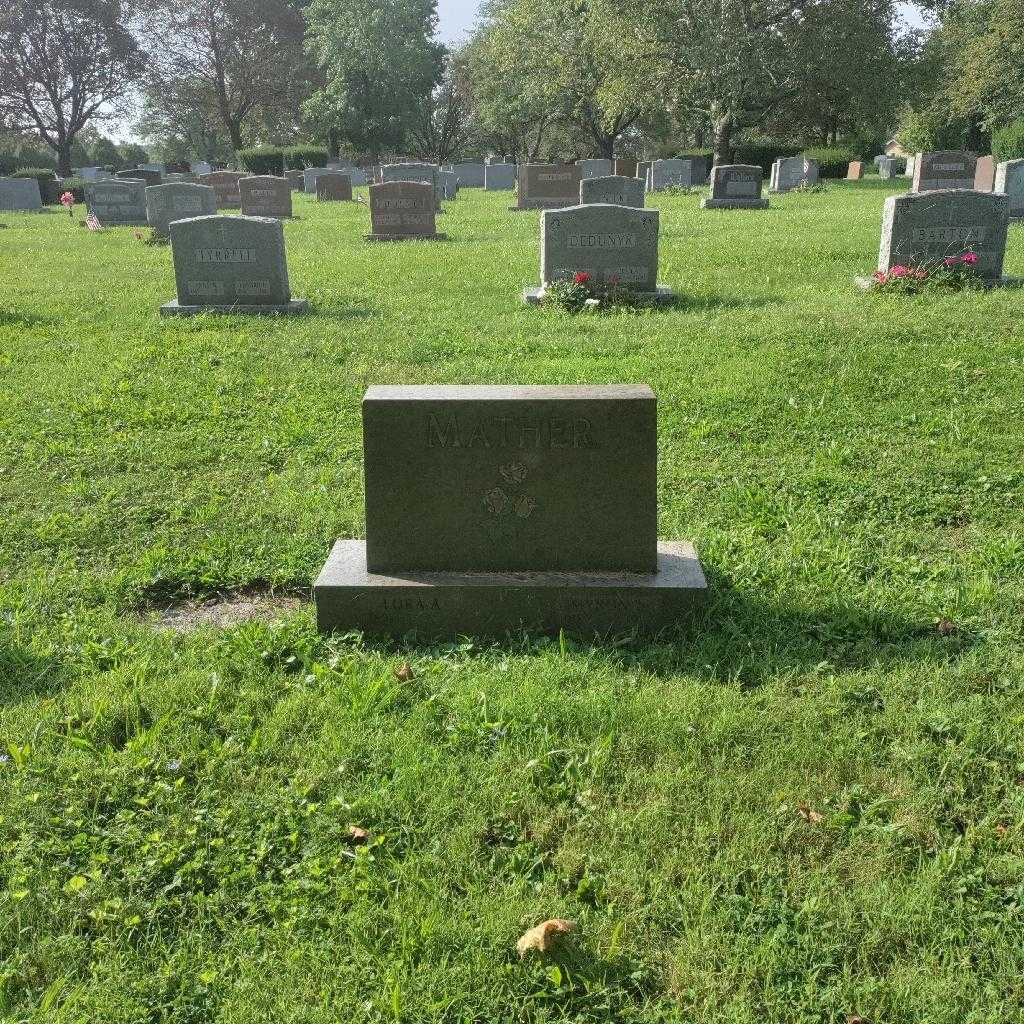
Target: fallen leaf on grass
808, 813
544, 936
358, 836
404, 672
856, 1018
946, 627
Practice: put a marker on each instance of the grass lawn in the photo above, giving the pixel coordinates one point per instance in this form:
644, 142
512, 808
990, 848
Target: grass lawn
805, 807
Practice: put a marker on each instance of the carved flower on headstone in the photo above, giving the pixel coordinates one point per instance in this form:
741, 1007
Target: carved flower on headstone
525, 506
514, 472
495, 500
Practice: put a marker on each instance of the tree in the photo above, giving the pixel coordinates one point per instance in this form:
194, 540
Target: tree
63, 65
378, 65
446, 125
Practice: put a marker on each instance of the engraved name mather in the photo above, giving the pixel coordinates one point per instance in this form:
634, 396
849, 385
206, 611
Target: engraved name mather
448, 430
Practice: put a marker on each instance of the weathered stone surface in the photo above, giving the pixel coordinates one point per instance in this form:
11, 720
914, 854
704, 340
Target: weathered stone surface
117, 202
888, 168
20, 194
409, 172
500, 177
505, 479
265, 195
470, 175
595, 168
447, 185
177, 201
613, 244
401, 210
985, 174
921, 227
230, 263
184, 177
225, 184
625, 167
944, 169
911, 167
199, 167
334, 186
309, 176
1010, 182
296, 180
676, 173
736, 186
792, 172
612, 189
854, 170
90, 173
548, 186
150, 177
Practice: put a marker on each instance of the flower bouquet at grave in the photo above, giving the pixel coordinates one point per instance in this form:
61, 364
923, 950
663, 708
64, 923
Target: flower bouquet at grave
582, 292
67, 200
951, 273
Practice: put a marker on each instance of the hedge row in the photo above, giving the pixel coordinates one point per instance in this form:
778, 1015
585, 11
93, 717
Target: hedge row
278, 159
1008, 142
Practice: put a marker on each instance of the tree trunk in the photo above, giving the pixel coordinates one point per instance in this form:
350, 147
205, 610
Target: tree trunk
333, 142
607, 146
722, 124
64, 158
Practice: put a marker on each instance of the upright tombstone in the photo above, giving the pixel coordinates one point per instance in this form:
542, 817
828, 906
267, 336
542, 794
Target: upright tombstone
296, 180
402, 210
226, 264
888, 168
985, 174
500, 177
185, 177
309, 176
409, 172
114, 202
90, 173
911, 167
1010, 183
148, 175
674, 173
20, 195
944, 169
540, 505
200, 167
596, 168
643, 170
612, 189
625, 167
854, 170
333, 187
265, 195
791, 172
614, 245
177, 201
447, 185
921, 228
470, 175
548, 186
160, 169
225, 184
736, 187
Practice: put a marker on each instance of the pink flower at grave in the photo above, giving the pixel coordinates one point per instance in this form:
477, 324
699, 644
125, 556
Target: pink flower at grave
899, 271
880, 276
969, 257
67, 199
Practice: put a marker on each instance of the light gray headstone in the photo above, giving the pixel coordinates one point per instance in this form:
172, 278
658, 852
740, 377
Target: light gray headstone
944, 169
20, 194
669, 173
921, 227
888, 168
115, 202
447, 184
613, 189
90, 173
265, 195
470, 175
177, 201
309, 176
158, 168
224, 261
1010, 182
500, 177
595, 168
409, 172
736, 186
911, 165
614, 244
402, 209
792, 172
200, 167
548, 186
225, 184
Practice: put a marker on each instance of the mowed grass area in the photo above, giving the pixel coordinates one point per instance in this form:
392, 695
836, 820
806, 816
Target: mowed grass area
806, 806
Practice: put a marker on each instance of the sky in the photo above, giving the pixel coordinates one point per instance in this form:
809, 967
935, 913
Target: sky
455, 17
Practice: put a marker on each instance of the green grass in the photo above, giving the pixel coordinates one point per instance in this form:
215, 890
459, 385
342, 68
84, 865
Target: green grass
174, 807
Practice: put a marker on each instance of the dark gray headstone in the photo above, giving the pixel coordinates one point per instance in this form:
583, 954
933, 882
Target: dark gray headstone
548, 186
595, 168
736, 187
401, 210
177, 201
149, 176
309, 176
500, 177
1010, 182
944, 169
612, 189
225, 184
470, 175
334, 186
296, 180
625, 167
230, 263
21, 194
117, 202
264, 195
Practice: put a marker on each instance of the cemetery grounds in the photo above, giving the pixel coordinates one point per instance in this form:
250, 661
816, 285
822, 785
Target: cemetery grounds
806, 806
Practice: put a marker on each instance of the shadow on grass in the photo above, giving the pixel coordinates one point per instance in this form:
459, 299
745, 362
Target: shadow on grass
25, 674
9, 318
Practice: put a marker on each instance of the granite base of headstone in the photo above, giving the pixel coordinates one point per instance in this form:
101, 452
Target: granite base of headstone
541, 508
230, 264
736, 187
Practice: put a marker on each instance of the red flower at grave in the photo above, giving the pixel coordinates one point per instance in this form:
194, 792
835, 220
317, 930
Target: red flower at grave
67, 199
581, 278
969, 257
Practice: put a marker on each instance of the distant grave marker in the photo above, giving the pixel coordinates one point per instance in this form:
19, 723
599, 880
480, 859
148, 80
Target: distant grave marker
792, 172
985, 174
177, 201
736, 187
115, 203
500, 177
1010, 182
334, 186
548, 186
20, 195
943, 170
612, 189
675, 173
854, 170
403, 210
264, 195
595, 168
225, 184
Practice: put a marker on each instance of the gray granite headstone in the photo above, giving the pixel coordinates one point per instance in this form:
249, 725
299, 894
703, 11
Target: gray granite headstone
612, 189
115, 202
888, 168
736, 187
911, 167
335, 186
985, 174
500, 177
309, 176
923, 227
149, 176
199, 167
225, 184
675, 173
792, 172
409, 172
177, 201
548, 186
540, 505
614, 245
296, 180
595, 168
470, 175
265, 195
944, 169
447, 185
20, 194
402, 210
1010, 182
230, 264
625, 167
90, 173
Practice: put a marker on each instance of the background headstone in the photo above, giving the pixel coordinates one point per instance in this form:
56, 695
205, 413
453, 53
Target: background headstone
669, 173
20, 194
854, 170
177, 201
225, 184
922, 227
548, 186
612, 189
944, 169
470, 175
199, 167
115, 202
150, 177
401, 210
594, 168
90, 173
309, 176
296, 180
625, 167
1010, 182
333, 187
265, 195
736, 187
911, 164
985, 174
793, 172
224, 263
888, 168
500, 177
447, 185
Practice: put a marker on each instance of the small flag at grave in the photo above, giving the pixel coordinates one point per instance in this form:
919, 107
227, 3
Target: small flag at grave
92, 223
